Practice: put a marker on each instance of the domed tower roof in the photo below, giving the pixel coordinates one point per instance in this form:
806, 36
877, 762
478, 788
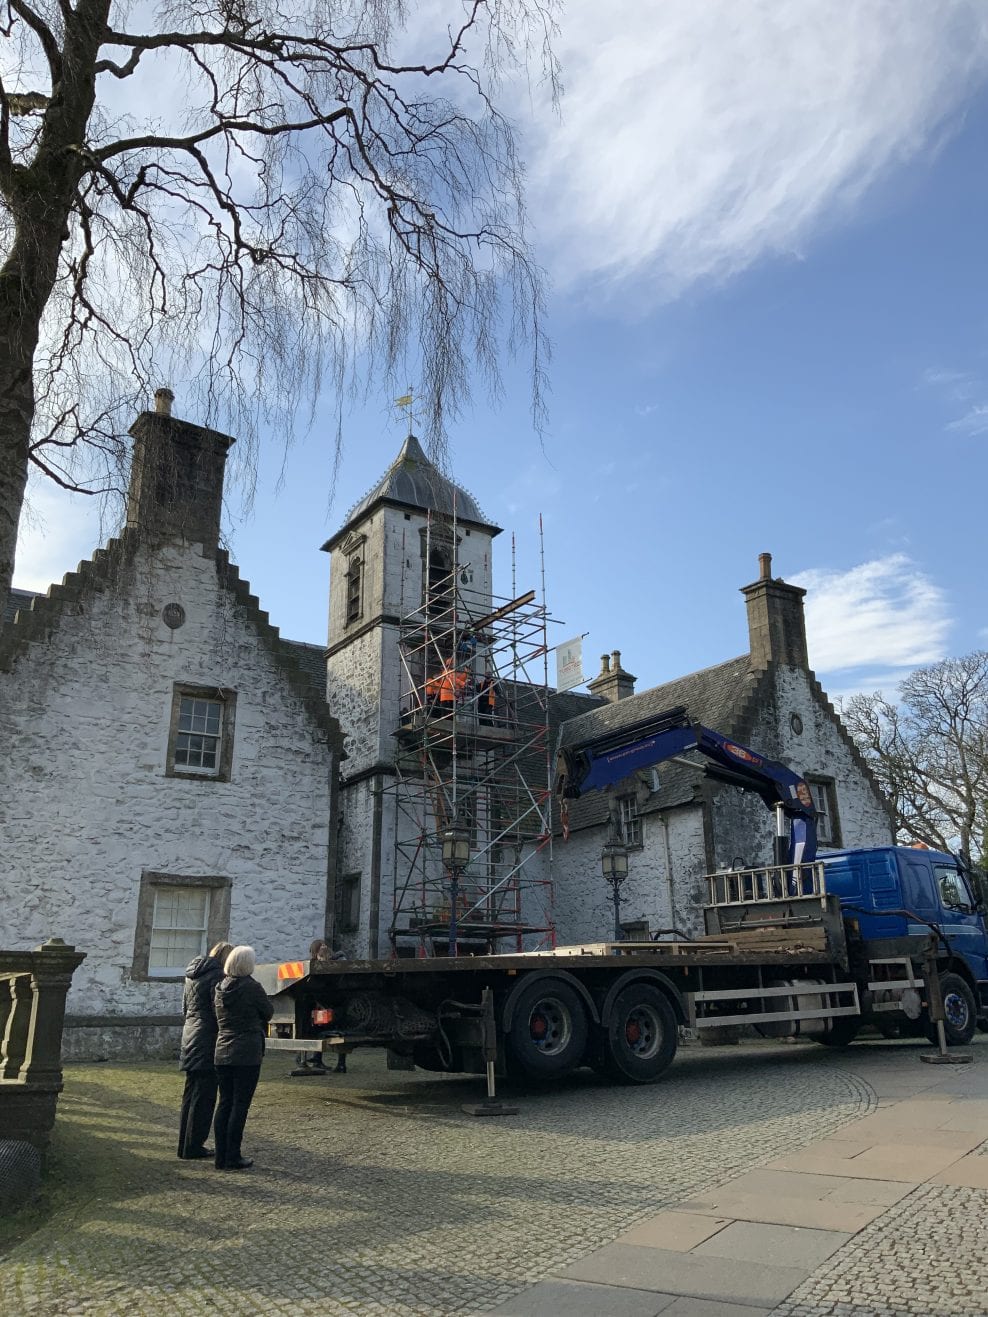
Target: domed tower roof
412, 481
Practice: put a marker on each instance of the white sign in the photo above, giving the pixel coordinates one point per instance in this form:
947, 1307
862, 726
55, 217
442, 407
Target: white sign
569, 664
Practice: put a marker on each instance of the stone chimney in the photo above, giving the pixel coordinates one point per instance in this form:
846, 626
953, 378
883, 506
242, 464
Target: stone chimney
176, 476
776, 627
612, 682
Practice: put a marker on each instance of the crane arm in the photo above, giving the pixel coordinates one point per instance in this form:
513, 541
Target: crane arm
601, 761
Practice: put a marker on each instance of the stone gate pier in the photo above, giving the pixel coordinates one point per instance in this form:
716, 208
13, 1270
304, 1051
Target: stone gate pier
33, 986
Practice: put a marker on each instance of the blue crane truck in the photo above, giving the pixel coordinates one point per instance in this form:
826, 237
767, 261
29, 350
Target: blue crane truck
807, 945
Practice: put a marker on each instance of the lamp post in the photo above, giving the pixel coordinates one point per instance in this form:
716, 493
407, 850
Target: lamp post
614, 865
456, 857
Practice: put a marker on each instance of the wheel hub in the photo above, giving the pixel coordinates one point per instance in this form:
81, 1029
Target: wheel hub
550, 1026
955, 1009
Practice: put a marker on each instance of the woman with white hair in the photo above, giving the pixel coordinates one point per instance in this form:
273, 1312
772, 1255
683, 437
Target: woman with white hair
242, 1012
198, 1050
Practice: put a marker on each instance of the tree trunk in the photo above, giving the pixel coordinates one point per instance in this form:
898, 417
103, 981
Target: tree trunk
16, 411
26, 281
40, 199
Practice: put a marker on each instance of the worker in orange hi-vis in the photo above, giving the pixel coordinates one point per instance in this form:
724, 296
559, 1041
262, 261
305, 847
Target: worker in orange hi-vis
452, 686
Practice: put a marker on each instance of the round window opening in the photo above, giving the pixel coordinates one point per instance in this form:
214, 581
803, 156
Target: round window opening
173, 615
796, 723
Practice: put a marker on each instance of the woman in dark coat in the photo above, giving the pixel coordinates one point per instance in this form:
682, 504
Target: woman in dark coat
242, 1011
196, 1056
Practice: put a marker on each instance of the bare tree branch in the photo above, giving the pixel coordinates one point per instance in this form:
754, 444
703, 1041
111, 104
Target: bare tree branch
930, 751
287, 201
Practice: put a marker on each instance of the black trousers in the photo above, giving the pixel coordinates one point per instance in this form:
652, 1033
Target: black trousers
198, 1101
237, 1084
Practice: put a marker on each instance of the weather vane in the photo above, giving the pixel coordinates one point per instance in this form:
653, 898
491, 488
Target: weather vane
406, 402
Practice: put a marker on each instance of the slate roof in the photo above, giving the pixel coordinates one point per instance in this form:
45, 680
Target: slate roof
311, 659
16, 600
413, 481
713, 696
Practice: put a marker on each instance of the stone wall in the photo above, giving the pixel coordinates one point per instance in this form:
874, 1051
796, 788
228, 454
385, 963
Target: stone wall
84, 715
795, 724
583, 908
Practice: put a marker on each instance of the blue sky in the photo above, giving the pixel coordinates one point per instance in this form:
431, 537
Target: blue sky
765, 228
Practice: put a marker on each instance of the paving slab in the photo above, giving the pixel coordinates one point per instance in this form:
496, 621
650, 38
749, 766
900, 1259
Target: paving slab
813, 1214
970, 1171
565, 1298
711, 1308
884, 1161
676, 1230
775, 1245
664, 1270
867, 1133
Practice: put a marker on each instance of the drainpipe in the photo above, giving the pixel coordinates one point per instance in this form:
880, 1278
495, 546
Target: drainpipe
374, 915
668, 858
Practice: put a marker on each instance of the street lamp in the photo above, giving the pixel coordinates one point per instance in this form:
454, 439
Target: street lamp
456, 857
614, 865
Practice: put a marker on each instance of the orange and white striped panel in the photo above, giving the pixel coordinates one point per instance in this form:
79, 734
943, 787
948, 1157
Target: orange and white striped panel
291, 969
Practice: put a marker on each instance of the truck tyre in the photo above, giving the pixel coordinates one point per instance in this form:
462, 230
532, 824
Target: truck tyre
959, 1011
640, 1037
842, 1032
548, 1031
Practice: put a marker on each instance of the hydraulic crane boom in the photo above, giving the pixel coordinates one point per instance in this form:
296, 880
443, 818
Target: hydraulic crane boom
602, 761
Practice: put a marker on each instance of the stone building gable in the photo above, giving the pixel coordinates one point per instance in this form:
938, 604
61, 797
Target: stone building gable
34, 618
763, 690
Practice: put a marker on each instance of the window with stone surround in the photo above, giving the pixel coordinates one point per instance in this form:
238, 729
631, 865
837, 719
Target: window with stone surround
179, 917
631, 820
824, 792
348, 903
200, 734
354, 590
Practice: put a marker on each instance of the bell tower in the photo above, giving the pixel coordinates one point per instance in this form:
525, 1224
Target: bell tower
400, 545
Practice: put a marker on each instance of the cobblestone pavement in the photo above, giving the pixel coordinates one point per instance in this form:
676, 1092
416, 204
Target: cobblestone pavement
925, 1256
374, 1194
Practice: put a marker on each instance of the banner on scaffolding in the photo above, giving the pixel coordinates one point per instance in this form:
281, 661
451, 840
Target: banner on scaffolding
569, 664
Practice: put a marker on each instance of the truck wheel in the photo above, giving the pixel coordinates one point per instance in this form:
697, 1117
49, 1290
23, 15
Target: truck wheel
548, 1031
641, 1035
959, 1012
842, 1032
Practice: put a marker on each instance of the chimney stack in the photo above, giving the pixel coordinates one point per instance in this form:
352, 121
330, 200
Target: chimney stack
176, 476
612, 683
776, 626
163, 399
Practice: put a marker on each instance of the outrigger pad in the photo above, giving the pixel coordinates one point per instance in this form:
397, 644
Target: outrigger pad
949, 1058
489, 1109
305, 1072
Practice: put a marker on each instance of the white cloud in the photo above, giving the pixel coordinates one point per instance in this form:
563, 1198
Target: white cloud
884, 614
57, 531
974, 421
697, 138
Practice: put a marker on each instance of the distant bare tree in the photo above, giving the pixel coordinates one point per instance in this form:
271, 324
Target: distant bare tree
271, 196
929, 751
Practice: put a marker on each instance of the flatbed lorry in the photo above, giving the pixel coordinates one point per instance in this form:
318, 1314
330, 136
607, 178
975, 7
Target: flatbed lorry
805, 946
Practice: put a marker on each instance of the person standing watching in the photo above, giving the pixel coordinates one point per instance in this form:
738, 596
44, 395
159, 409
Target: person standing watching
196, 1054
242, 1011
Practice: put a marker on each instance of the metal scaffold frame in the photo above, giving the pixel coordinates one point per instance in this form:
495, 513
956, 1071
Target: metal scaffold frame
472, 751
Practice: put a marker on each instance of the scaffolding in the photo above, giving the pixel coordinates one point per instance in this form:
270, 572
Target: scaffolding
472, 752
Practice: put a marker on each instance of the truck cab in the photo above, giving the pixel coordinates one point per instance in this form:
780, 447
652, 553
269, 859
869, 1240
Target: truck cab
895, 893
